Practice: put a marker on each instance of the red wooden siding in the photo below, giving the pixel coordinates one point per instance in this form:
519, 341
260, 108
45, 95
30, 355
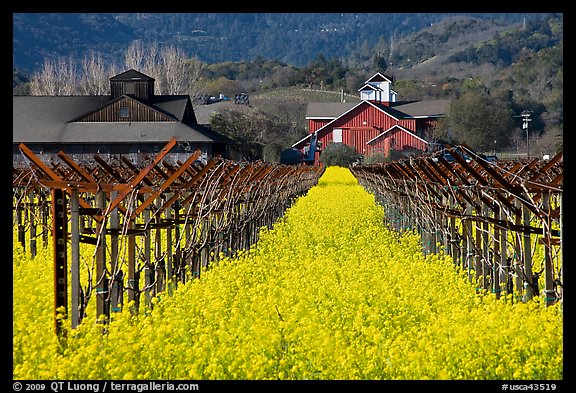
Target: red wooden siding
315, 124
365, 122
402, 141
367, 116
357, 137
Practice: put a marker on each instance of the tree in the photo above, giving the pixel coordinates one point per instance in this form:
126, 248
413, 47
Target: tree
57, 77
479, 120
179, 73
95, 75
173, 71
247, 130
338, 154
144, 58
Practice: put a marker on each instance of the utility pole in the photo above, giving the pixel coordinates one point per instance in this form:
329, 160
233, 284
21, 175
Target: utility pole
525, 115
525, 121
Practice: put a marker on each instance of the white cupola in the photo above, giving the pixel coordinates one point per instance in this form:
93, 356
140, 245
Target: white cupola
378, 89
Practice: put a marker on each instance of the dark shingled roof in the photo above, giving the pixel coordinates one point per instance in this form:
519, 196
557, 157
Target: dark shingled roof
45, 119
400, 110
131, 75
328, 110
426, 108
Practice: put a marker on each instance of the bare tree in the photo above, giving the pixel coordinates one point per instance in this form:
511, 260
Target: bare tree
144, 58
95, 75
195, 66
179, 73
56, 78
174, 70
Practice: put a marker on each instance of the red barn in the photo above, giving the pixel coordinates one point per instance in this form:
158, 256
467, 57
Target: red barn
378, 123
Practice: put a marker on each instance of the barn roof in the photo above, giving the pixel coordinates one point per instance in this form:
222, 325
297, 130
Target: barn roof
425, 108
369, 87
379, 77
400, 110
328, 110
45, 119
131, 75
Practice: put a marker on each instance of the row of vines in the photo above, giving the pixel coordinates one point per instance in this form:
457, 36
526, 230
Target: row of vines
500, 221
150, 227
330, 291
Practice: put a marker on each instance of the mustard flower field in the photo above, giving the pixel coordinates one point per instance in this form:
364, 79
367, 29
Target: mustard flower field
329, 293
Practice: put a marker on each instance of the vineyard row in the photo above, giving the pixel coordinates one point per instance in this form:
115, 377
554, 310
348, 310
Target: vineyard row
501, 221
185, 214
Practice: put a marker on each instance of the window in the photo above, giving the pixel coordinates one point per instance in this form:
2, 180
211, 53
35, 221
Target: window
130, 88
337, 135
124, 112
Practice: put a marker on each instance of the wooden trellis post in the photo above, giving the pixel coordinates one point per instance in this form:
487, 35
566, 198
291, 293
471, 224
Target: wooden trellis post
527, 256
102, 295
77, 302
32, 210
496, 262
116, 279
20, 225
468, 245
133, 275
59, 241
148, 267
549, 292
170, 279
158, 257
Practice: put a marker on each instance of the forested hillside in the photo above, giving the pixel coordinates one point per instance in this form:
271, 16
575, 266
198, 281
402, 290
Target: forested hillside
293, 38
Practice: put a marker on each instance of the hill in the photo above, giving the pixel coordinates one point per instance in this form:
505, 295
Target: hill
293, 38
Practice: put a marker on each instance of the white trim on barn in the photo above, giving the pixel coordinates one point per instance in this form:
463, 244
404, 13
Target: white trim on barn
391, 128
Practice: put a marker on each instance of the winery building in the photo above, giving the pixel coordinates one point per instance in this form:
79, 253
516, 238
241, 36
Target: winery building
131, 121
379, 123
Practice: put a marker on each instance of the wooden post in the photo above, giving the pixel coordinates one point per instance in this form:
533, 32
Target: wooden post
21, 227
478, 265
178, 253
504, 256
102, 294
517, 260
133, 285
527, 256
160, 265
496, 264
45, 212
77, 302
205, 238
560, 289
32, 210
170, 280
445, 233
189, 255
549, 292
148, 268
59, 241
454, 242
468, 247
114, 269
486, 248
